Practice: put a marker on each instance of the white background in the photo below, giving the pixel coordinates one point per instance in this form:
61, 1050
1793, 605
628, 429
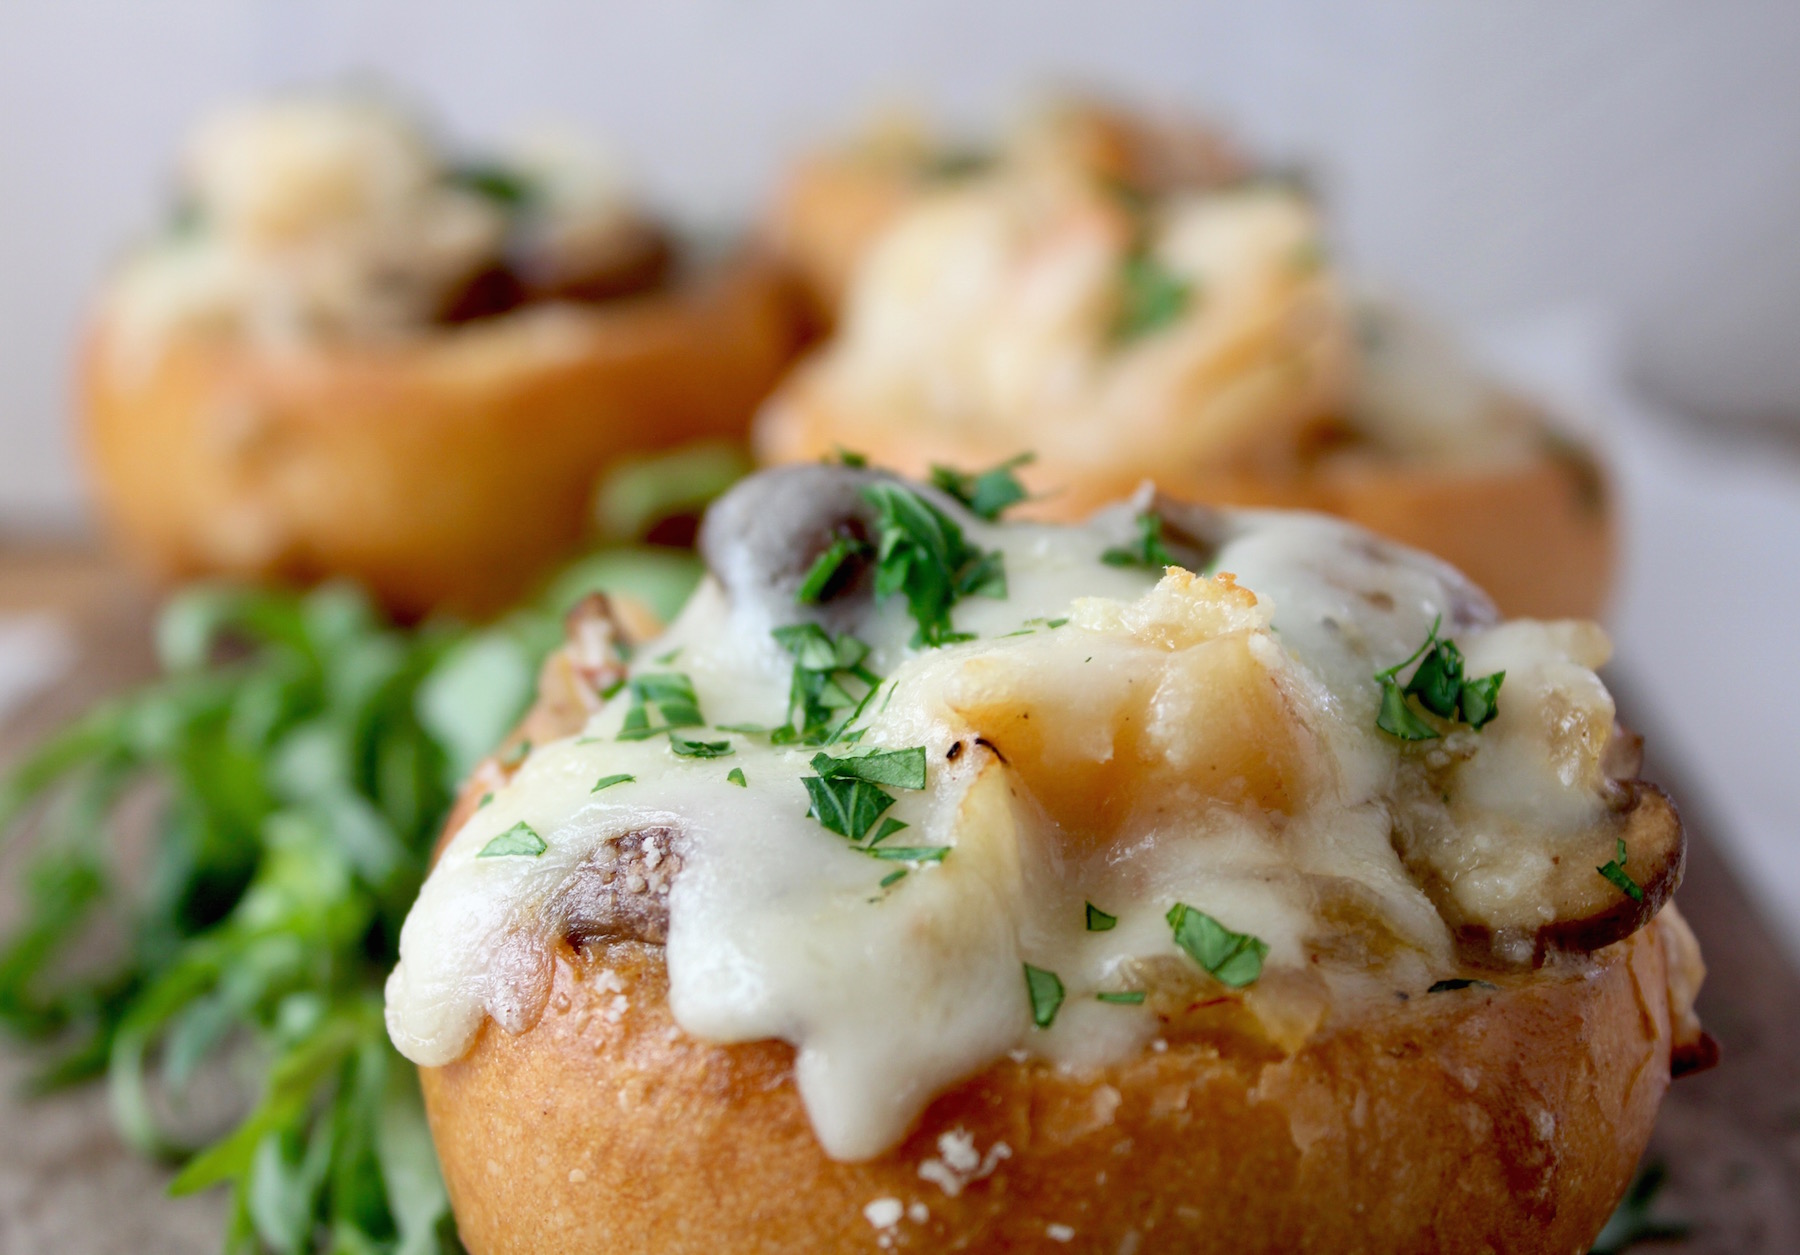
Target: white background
1493, 157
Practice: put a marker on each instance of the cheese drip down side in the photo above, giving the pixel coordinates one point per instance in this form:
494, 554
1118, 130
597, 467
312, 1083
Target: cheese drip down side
1113, 734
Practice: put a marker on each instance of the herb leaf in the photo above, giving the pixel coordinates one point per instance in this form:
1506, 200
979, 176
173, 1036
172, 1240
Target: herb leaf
904, 769
1099, 921
660, 700
1438, 680
1440, 687
1236, 959
845, 805
1147, 551
1151, 297
1045, 989
1397, 718
688, 747
889, 827
607, 782
821, 703
1614, 870
504, 186
987, 493
736, 776
825, 569
1480, 699
1124, 997
922, 554
909, 853
521, 838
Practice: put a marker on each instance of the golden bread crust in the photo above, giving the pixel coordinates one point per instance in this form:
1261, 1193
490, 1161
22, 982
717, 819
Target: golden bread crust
449, 470
1466, 1120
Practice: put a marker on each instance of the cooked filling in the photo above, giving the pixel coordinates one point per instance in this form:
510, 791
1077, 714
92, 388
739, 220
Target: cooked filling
1123, 300
335, 215
912, 788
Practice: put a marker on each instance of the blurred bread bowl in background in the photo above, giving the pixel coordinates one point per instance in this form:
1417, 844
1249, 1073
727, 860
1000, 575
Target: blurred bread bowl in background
1127, 298
350, 356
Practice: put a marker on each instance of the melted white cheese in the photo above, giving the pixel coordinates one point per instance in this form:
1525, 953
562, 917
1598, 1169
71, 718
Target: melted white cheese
1249, 722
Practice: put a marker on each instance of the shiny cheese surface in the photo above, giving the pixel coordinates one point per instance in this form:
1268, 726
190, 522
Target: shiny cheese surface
1206, 738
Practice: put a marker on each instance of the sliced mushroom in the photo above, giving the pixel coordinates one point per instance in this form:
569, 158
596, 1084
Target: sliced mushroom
1193, 533
761, 539
621, 892
1577, 906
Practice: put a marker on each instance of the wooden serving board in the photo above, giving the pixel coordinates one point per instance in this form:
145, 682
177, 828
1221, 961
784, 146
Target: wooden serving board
1730, 1139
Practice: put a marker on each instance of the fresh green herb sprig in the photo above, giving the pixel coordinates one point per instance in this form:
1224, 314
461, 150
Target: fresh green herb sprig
989, 493
291, 769
1614, 871
306, 779
1147, 551
1236, 959
921, 553
1440, 687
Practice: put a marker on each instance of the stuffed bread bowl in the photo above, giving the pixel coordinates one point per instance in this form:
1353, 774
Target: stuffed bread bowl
1129, 301
1180, 880
349, 356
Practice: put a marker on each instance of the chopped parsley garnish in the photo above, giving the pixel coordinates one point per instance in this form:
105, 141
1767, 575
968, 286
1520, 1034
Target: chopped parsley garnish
910, 853
821, 704
1615, 872
505, 187
516, 755
847, 457
660, 701
921, 553
1124, 997
1147, 551
485, 799
688, 747
1458, 982
1440, 687
1046, 991
846, 805
521, 838
889, 827
607, 782
1236, 959
1099, 921
904, 769
987, 493
825, 569
847, 798
893, 877
1151, 297
736, 776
